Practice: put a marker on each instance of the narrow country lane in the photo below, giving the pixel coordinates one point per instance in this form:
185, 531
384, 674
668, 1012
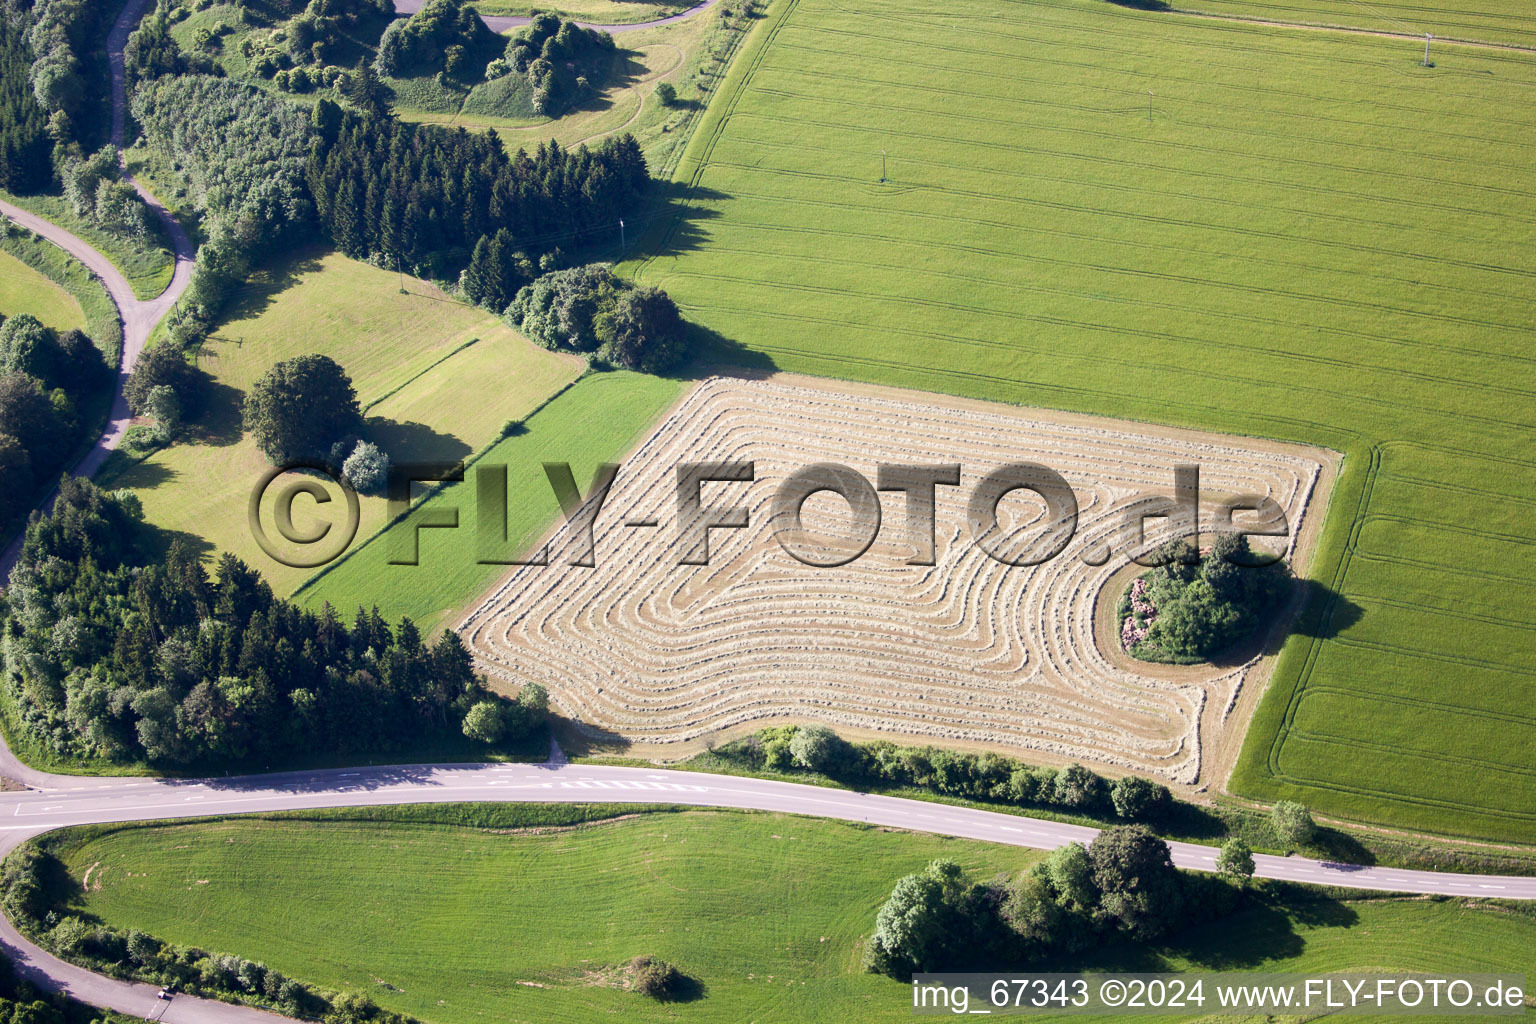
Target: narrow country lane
139, 317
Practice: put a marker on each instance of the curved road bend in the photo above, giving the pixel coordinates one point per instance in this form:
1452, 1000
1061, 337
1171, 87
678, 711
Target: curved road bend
501, 23
138, 317
69, 800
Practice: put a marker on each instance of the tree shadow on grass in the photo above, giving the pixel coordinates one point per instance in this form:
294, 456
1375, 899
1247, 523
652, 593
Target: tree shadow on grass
1340, 849
415, 442
266, 282
1326, 613
714, 353
1144, 5
155, 542
219, 420
581, 739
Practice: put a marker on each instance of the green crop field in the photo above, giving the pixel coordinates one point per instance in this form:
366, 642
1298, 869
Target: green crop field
1506, 22
596, 420
406, 354
24, 290
1296, 234
767, 911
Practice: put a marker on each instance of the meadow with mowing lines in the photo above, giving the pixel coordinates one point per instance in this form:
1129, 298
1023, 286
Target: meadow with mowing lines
407, 355
24, 290
458, 925
691, 55
1302, 235
595, 420
1504, 22
596, 12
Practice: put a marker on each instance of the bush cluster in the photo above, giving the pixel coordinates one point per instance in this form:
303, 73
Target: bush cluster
562, 62
441, 36
587, 309
1191, 607
1122, 884
986, 777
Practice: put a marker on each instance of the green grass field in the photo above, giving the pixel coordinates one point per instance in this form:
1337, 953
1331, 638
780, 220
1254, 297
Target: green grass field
96, 308
24, 290
1297, 234
598, 419
437, 379
456, 924
147, 267
1506, 22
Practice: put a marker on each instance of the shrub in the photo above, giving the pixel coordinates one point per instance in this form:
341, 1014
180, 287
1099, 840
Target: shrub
666, 92
367, 468
1235, 861
1293, 823
815, 747
161, 365
1077, 787
165, 407
655, 977
485, 722
1139, 799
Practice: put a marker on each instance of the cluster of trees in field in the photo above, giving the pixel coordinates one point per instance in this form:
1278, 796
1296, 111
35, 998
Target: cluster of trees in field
45, 378
1191, 607
311, 38
561, 61
244, 153
584, 309
100, 196
108, 657
1122, 884
987, 776
37, 890
444, 35
426, 196
152, 52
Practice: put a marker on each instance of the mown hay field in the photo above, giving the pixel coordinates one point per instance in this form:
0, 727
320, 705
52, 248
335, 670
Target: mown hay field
669, 656
463, 925
1296, 234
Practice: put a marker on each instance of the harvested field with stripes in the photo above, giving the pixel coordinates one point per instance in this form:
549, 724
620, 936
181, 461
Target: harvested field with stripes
968, 649
1297, 234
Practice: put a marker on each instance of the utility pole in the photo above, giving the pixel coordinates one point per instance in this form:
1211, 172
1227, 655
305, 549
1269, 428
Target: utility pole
622, 246
883, 178
1427, 38
401, 273
1149, 106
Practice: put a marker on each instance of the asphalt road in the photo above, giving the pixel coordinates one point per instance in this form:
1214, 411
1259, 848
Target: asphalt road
139, 317
68, 800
